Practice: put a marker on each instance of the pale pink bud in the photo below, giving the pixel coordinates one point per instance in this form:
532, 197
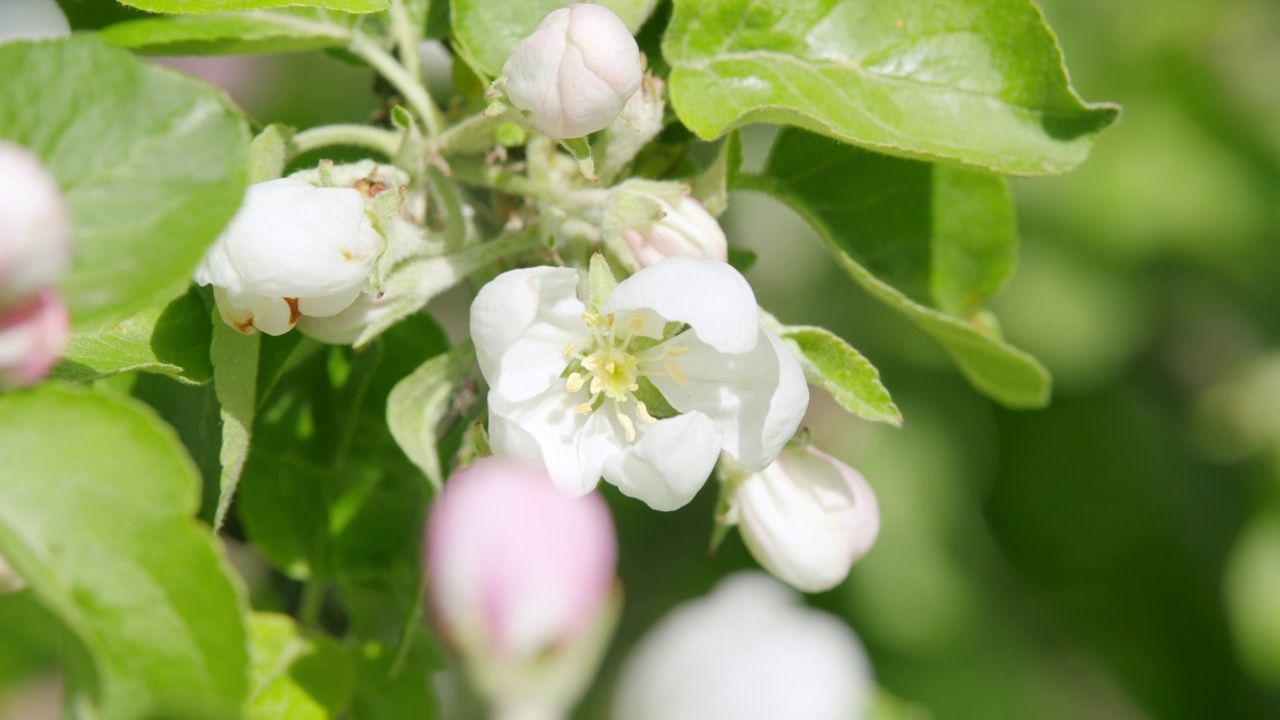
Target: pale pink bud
807, 518
748, 651
35, 230
575, 73
685, 229
521, 578
32, 335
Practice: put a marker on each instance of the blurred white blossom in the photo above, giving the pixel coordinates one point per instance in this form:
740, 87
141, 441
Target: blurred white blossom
32, 20
35, 229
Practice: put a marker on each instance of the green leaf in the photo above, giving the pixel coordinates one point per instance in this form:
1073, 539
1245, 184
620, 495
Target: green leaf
850, 378
930, 241
167, 338
96, 513
260, 32
235, 380
212, 6
418, 403
712, 186
389, 693
486, 31
153, 165
296, 674
269, 153
978, 82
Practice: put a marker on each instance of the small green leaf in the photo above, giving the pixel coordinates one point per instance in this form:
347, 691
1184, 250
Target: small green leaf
419, 402
220, 6
167, 338
259, 32
850, 378
486, 31
296, 674
269, 153
712, 186
96, 512
978, 82
930, 241
235, 380
153, 165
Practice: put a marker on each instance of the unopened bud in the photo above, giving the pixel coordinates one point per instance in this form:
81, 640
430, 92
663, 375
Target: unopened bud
575, 73
747, 651
522, 583
32, 335
685, 229
35, 230
293, 249
807, 518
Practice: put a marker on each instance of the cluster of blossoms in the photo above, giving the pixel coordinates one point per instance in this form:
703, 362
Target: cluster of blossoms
647, 383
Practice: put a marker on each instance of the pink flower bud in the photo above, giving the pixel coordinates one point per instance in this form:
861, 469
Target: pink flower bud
686, 229
575, 73
807, 518
32, 335
521, 580
35, 230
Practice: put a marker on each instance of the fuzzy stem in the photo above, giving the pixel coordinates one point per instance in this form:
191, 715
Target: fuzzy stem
414, 93
384, 141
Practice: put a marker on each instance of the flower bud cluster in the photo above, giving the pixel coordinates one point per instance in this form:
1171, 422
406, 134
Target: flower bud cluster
807, 518
35, 250
293, 250
575, 73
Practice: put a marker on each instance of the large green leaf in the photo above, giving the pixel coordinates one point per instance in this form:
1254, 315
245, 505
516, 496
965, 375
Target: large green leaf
296, 674
167, 338
152, 163
210, 6
96, 512
930, 241
486, 31
254, 32
978, 82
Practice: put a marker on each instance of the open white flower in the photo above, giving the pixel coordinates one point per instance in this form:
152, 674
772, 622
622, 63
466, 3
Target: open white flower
575, 73
807, 518
579, 392
293, 249
748, 651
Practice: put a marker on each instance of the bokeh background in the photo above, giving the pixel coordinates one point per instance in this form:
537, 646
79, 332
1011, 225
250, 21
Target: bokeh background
1116, 555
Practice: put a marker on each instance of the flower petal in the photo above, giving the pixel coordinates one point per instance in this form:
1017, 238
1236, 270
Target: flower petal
545, 431
521, 323
328, 305
712, 297
757, 399
669, 463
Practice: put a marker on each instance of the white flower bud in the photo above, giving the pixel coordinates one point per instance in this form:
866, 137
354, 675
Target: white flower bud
32, 335
575, 73
10, 580
747, 651
31, 20
293, 249
35, 230
685, 229
807, 518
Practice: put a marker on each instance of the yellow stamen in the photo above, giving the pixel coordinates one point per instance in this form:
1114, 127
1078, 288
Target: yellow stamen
591, 318
636, 323
675, 350
628, 427
583, 409
677, 375
642, 412
568, 350
574, 383
610, 318
597, 385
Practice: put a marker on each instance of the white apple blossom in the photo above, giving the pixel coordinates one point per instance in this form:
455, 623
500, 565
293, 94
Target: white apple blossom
807, 518
32, 335
747, 651
32, 20
35, 229
571, 390
10, 581
575, 73
522, 583
293, 249
685, 229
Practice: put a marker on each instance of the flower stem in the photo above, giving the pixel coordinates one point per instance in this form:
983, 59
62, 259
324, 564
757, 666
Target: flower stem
414, 93
384, 141
495, 178
473, 128
406, 40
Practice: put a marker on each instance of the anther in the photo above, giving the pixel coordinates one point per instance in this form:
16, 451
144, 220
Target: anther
642, 412
583, 409
574, 383
591, 318
610, 318
636, 323
628, 427
675, 350
568, 350
677, 375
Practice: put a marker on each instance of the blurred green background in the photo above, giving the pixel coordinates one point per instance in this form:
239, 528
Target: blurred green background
1116, 555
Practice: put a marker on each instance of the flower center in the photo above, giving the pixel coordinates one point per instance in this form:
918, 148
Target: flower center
610, 372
